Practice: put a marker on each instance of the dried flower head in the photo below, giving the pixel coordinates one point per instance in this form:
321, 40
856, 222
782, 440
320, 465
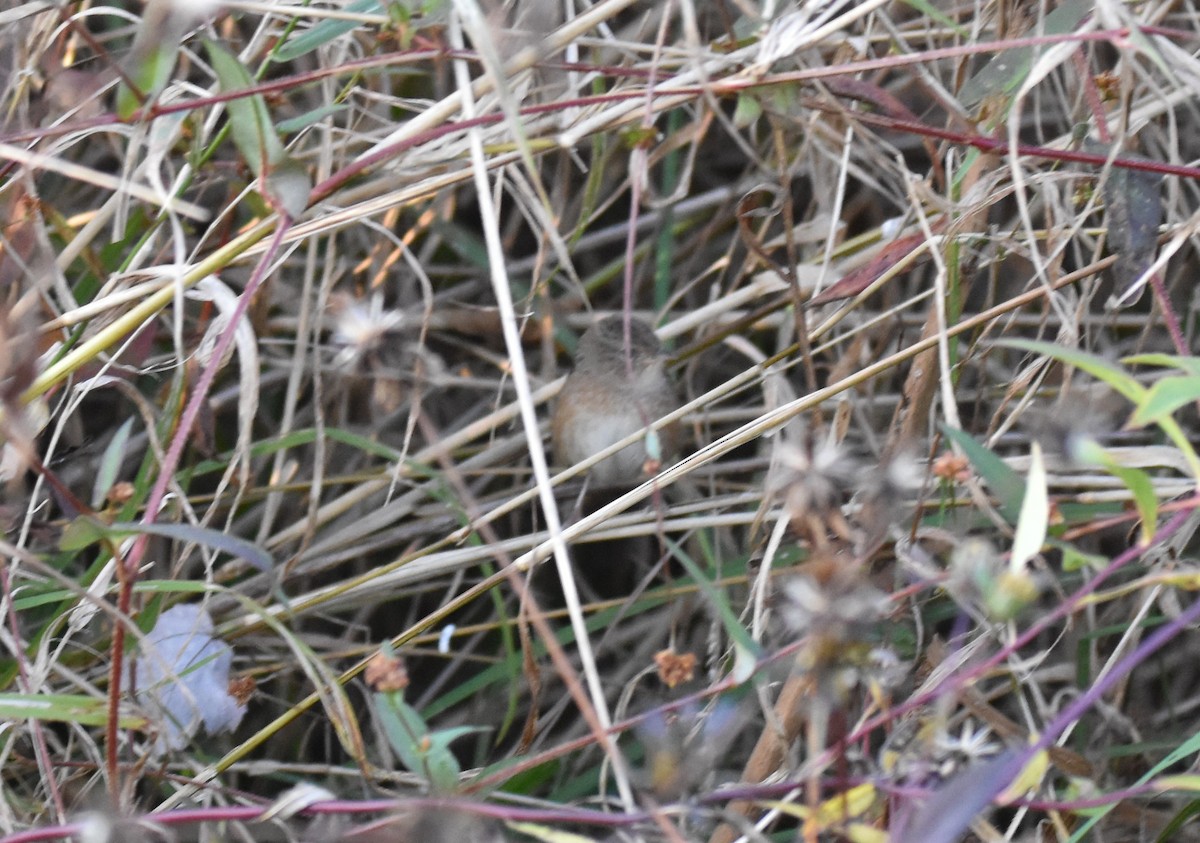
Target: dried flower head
837, 612
675, 668
813, 481
832, 600
242, 688
386, 673
361, 329
921, 751
950, 467
885, 496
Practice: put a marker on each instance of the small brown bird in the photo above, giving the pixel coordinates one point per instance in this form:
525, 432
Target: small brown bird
612, 394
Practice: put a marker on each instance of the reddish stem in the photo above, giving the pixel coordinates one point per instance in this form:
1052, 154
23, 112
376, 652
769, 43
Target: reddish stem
116, 660
1092, 95
1168, 313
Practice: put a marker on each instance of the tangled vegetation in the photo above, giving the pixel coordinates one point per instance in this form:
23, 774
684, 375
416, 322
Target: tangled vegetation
290, 289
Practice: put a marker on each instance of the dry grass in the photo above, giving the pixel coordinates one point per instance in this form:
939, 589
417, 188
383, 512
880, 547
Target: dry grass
907, 554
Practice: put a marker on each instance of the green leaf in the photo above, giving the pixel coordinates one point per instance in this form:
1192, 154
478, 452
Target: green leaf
289, 185
783, 98
1136, 481
443, 768
150, 70
110, 464
1181, 818
63, 708
1006, 484
1073, 559
284, 179
1180, 440
82, 532
325, 31
465, 243
1105, 370
1148, 48
403, 727
965, 169
745, 662
1176, 756
296, 439
746, 646
86, 530
250, 122
1190, 365
1005, 72
247, 551
1035, 513
308, 118
747, 111
1124, 383
933, 13
1142, 488
421, 751
1165, 396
